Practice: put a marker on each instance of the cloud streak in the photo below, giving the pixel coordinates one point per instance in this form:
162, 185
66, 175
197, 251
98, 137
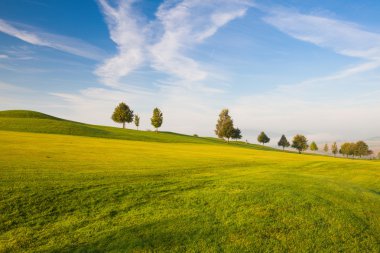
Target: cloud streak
62, 43
162, 44
343, 37
129, 38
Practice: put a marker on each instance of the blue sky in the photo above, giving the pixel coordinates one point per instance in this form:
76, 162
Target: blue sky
289, 67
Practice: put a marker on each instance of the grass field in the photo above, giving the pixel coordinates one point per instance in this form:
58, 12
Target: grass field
140, 191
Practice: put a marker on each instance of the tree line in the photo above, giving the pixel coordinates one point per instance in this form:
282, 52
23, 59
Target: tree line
123, 114
225, 130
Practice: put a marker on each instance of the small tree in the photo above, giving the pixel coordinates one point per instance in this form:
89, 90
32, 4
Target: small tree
378, 155
326, 148
263, 138
334, 149
137, 121
122, 114
361, 148
225, 126
236, 135
157, 118
348, 149
283, 142
313, 146
299, 143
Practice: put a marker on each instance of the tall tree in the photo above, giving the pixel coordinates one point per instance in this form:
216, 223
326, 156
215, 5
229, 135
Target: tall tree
236, 135
334, 148
225, 126
361, 148
122, 114
137, 121
157, 118
283, 142
300, 143
326, 148
263, 138
313, 146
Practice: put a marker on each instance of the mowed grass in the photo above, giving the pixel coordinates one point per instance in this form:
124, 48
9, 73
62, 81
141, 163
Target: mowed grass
64, 193
36, 122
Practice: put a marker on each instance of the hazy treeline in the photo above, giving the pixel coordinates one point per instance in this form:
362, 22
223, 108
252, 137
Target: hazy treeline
225, 129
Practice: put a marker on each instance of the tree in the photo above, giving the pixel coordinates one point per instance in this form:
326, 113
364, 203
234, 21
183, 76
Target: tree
263, 138
326, 148
283, 142
157, 118
122, 114
300, 143
137, 121
313, 146
361, 149
225, 126
236, 134
334, 149
348, 149
378, 155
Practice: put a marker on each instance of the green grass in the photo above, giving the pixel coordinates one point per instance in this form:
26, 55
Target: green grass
62, 193
36, 122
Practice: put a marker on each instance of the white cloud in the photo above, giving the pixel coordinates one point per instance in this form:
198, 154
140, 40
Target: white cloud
3, 56
163, 43
343, 37
129, 37
186, 24
6, 87
59, 42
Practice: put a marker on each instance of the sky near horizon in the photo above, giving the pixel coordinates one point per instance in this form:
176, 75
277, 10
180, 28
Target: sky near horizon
283, 67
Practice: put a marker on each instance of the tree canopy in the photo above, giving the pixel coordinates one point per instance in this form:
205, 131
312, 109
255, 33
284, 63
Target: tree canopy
348, 149
300, 143
313, 146
157, 118
326, 148
224, 127
236, 135
263, 138
334, 149
122, 114
361, 149
283, 142
137, 121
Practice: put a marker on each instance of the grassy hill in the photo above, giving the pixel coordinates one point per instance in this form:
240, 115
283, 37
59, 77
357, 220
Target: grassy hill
135, 191
36, 122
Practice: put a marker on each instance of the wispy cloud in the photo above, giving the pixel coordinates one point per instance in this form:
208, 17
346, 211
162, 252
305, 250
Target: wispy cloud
129, 37
12, 88
186, 24
343, 37
3, 56
62, 43
162, 44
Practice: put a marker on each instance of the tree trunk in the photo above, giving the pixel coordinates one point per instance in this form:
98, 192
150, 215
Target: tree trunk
283, 148
123, 124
